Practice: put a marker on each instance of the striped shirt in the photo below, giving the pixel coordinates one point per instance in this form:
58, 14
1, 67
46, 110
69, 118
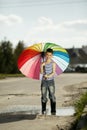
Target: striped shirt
48, 69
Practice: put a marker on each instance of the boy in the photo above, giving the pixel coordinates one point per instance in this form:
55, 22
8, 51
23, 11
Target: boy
48, 70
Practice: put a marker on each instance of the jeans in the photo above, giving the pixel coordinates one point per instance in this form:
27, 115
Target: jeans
48, 86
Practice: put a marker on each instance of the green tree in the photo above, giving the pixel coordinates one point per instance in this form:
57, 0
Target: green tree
6, 57
19, 48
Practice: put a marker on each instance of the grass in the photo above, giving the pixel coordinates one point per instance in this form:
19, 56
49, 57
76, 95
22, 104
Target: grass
80, 105
3, 76
84, 128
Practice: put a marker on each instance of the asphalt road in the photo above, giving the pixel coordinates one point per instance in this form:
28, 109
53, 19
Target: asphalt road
21, 93
24, 91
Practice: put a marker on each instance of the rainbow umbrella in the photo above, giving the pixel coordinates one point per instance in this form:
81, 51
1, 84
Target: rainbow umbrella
30, 59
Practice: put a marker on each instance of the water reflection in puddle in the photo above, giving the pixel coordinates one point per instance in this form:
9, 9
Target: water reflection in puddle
63, 111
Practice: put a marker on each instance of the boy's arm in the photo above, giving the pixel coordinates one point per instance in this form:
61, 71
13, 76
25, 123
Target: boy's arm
52, 74
41, 69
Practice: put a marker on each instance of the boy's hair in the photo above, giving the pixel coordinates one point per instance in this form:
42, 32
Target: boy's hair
49, 50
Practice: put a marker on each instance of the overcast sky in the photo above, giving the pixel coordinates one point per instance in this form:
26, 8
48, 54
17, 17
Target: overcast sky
63, 22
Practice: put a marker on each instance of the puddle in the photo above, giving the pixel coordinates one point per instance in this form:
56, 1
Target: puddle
66, 111
34, 110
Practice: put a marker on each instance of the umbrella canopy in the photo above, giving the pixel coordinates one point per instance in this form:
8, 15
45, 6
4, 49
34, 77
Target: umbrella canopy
30, 59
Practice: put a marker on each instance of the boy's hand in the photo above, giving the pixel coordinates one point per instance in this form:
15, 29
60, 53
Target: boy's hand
45, 76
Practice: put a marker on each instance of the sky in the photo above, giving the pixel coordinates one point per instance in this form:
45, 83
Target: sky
63, 22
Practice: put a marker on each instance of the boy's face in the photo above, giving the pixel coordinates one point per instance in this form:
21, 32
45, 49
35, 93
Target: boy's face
49, 55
